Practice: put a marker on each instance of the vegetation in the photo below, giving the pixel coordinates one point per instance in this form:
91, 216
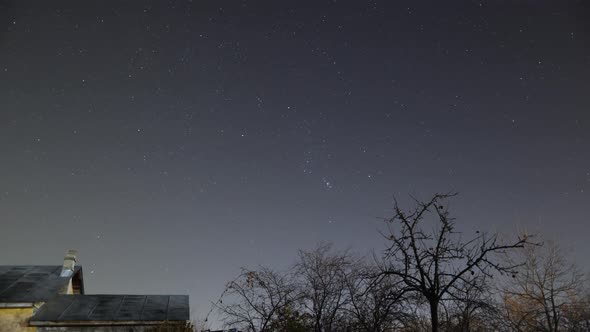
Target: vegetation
429, 277
432, 264
547, 294
174, 327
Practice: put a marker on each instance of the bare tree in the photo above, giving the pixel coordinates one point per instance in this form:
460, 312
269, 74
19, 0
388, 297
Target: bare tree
321, 274
470, 306
431, 263
545, 291
255, 299
374, 306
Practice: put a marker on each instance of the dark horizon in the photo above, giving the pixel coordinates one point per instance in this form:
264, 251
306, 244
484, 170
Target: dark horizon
182, 140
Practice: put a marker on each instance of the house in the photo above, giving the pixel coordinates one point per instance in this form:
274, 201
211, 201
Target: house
52, 298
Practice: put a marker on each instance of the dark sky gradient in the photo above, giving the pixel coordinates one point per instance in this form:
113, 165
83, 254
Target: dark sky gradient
172, 142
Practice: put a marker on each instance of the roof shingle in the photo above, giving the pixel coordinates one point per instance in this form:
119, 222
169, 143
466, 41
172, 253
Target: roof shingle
30, 283
82, 309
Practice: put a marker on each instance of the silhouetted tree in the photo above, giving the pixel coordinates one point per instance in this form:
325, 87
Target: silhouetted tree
321, 276
256, 299
290, 319
430, 262
470, 306
374, 307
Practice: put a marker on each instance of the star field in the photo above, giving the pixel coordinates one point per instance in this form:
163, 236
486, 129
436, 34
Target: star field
182, 140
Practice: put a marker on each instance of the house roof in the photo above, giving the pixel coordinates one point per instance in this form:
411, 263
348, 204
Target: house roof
116, 309
31, 283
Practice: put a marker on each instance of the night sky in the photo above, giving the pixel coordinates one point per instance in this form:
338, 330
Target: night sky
172, 142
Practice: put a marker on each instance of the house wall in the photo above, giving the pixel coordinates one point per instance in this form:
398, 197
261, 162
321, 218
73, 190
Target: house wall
16, 320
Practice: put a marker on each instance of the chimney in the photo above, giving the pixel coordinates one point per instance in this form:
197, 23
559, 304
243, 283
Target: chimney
69, 264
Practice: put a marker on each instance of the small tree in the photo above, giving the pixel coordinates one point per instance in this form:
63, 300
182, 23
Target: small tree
432, 262
470, 306
321, 274
545, 294
256, 299
375, 305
